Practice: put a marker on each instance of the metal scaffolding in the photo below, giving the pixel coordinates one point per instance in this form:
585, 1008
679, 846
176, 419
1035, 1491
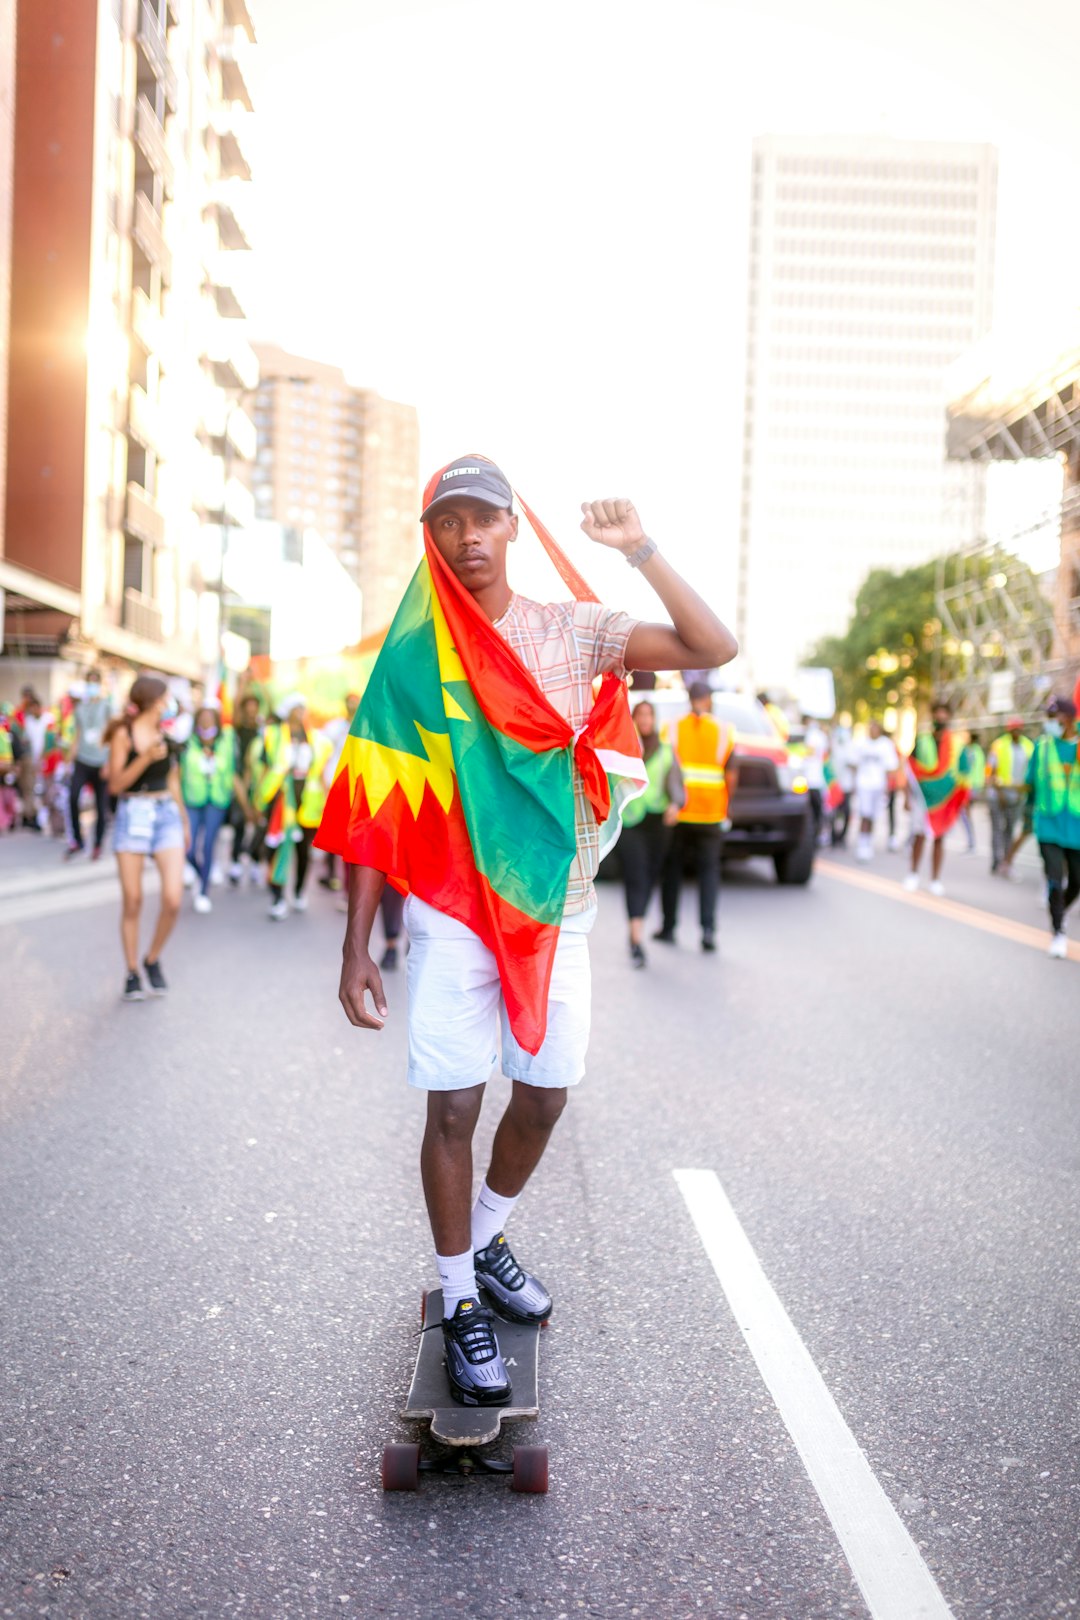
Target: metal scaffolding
1015, 637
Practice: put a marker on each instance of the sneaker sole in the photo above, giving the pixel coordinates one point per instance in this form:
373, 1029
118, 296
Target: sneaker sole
463, 1397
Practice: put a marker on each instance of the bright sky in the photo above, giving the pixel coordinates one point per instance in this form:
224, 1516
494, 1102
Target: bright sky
532, 221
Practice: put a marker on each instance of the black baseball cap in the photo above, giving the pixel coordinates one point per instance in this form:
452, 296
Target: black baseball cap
471, 478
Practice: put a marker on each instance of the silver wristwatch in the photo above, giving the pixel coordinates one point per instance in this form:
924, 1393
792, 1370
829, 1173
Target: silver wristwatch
642, 554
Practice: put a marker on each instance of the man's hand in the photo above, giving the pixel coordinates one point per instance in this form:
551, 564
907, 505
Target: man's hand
358, 975
613, 523
671, 816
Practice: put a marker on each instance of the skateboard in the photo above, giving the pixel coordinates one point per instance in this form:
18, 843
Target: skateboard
462, 1432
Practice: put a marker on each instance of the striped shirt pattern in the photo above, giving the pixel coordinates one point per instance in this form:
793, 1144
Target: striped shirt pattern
566, 646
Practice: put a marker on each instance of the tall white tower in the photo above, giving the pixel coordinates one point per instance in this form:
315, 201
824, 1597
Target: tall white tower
871, 269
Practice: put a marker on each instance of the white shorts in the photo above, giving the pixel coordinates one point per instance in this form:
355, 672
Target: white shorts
456, 1006
870, 802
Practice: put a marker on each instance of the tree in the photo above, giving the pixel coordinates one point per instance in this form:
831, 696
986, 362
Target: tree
893, 644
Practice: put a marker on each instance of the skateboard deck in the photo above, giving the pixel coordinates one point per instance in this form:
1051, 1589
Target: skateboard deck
429, 1394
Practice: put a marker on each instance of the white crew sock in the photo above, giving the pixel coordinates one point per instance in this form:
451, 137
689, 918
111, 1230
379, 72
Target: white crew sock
458, 1278
490, 1215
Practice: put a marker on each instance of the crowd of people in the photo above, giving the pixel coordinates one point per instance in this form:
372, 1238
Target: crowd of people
1030, 786
214, 801
209, 799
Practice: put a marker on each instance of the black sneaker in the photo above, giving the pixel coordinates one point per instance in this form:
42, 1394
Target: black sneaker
514, 1293
389, 959
637, 955
666, 936
133, 990
474, 1364
156, 979
708, 942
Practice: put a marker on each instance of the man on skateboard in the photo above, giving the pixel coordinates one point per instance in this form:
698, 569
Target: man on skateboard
477, 779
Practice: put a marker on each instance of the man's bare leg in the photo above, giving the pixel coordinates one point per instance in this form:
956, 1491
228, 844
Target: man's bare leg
531, 1115
446, 1166
917, 845
937, 858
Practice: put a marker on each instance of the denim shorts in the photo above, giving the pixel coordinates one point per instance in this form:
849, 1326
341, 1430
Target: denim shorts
143, 825
457, 1014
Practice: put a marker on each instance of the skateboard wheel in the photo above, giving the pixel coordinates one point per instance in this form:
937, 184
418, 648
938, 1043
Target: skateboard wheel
530, 1469
401, 1468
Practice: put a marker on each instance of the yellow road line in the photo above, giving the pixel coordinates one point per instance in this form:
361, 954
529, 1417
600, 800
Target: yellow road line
1020, 933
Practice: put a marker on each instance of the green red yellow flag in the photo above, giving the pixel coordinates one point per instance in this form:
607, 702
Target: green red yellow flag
937, 772
457, 777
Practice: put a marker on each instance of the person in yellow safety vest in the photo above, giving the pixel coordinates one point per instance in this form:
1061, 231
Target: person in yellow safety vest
703, 747
1006, 770
1053, 779
208, 781
291, 793
648, 825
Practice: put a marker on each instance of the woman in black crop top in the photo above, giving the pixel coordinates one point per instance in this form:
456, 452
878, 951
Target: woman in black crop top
150, 821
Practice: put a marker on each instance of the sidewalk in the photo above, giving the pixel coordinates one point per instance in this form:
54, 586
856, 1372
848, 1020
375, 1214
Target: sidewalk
36, 880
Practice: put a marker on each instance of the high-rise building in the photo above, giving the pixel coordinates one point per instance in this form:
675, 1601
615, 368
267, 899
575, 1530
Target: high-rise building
345, 461
128, 360
871, 269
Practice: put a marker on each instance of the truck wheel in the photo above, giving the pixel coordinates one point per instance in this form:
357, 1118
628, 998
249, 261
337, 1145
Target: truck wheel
795, 865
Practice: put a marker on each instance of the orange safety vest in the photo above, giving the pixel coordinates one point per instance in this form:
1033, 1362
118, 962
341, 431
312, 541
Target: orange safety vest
703, 746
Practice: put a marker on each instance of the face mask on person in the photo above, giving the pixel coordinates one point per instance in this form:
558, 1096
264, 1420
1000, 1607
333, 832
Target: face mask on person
207, 733
93, 689
1053, 728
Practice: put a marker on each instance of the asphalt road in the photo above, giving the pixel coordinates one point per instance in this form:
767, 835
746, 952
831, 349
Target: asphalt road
212, 1250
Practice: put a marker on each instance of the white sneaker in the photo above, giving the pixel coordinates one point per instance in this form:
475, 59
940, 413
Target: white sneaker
256, 875
911, 882
865, 850
1059, 946
279, 910
203, 903
894, 845
217, 876
937, 888
299, 902
189, 876
236, 872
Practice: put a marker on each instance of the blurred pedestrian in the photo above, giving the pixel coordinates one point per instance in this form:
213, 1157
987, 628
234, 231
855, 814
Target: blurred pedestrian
392, 913
209, 782
1006, 773
144, 775
33, 728
975, 778
1053, 779
291, 792
936, 793
90, 753
9, 798
648, 825
873, 759
336, 730
703, 747
242, 821
842, 784
812, 750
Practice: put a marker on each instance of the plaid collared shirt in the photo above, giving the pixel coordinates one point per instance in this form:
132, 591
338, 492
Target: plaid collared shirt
565, 646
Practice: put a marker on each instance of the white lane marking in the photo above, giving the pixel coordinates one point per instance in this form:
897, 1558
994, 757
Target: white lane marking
884, 1560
